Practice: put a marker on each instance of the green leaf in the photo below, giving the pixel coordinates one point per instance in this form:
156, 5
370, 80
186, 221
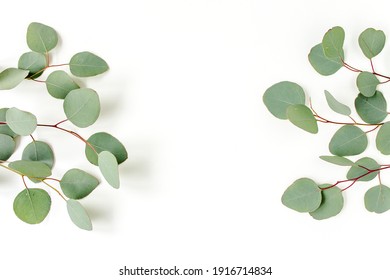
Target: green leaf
302, 196
302, 117
86, 64
21, 122
322, 64
361, 167
373, 109
333, 42
82, 107
109, 168
331, 205
383, 139
39, 151
342, 161
4, 129
278, 97
102, 141
371, 42
32, 205
32, 169
377, 199
336, 105
11, 77
41, 38
59, 84
78, 215
77, 184
34, 62
349, 140
367, 83
7, 147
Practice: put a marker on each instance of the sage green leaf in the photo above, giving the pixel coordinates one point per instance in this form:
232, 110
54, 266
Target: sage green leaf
34, 62
77, 184
371, 42
78, 215
367, 83
377, 199
373, 109
336, 105
278, 97
32, 205
7, 147
302, 196
361, 167
41, 38
302, 117
333, 42
332, 203
109, 168
11, 77
4, 129
342, 161
59, 84
383, 139
322, 64
31, 169
82, 107
348, 140
21, 122
39, 151
86, 64
102, 141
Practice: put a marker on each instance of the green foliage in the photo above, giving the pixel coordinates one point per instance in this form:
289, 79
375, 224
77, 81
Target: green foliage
322, 64
33, 62
78, 214
367, 83
383, 139
11, 77
303, 196
77, 184
337, 106
342, 161
349, 140
333, 42
108, 165
371, 109
86, 64
21, 122
371, 42
331, 204
41, 38
302, 117
7, 147
360, 170
32, 205
59, 84
39, 151
377, 199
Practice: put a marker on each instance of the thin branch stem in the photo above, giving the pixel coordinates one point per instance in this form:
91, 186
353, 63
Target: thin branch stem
53, 188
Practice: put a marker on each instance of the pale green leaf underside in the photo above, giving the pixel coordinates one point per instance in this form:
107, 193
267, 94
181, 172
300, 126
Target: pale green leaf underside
337, 106
371, 42
377, 199
322, 64
332, 203
367, 83
373, 109
86, 64
349, 140
383, 139
32, 205
32, 169
41, 38
21, 122
78, 214
341, 161
333, 42
11, 77
302, 196
302, 117
108, 166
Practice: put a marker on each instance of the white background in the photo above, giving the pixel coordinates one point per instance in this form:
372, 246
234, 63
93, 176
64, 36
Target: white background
207, 162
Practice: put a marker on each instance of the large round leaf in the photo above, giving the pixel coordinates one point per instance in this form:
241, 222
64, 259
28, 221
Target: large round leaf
78, 215
371, 42
322, 64
39, 151
337, 106
371, 109
11, 77
32, 169
32, 205
59, 84
4, 129
77, 184
383, 139
278, 97
367, 83
333, 42
82, 107
109, 168
86, 64
349, 140
301, 116
302, 196
361, 167
34, 62
21, 122
377, 199
41, 38
7, 147
331, 205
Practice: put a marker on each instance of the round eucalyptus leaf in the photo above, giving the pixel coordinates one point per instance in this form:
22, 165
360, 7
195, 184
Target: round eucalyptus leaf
39, 151
86, 64
33, 62
59, 84
32, 169
332, 203
349, 140
11, 77
77, 184
371, 42
342, 161
302, 196
32, 205
21, 122
301, 116
82, 107
371, 109
322, 64
337, 106
278, 97
109, 168
367, 83
383, 139
361, 167
4, 129
377, 199
78, 215
7, 147
333, 42
41, 38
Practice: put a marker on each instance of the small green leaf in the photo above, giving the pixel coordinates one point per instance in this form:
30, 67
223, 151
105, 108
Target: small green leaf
78, 215
373, 109
102, 141
109, 168
371, 42
367, 83
336, 105
342, 161
82, 107
11, 77
41, 38
86, 64
322, 64
377, 199
33, 169
7, 147
77, 184
278, 97
21, 122
32, 205
302, 196
59, 84
383, 139
302, 117
34, 62
4, 129
39, 151
349, 140
331, 205
333, 42
361, 167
